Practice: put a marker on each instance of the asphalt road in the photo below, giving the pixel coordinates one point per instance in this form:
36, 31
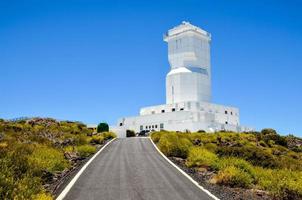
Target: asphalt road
131, 168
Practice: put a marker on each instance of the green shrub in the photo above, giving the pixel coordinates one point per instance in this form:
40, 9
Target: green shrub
234, 177
269, 135
97, 139
47, 158
27, 187
108, 135
155, 136
284, 184
211, 147
204, 137
236, 162
81, 139
85, 150
286, 162
268, 131
173, 145
255, 155
69, 149
200, 157
102, 127
43, 196
30, 147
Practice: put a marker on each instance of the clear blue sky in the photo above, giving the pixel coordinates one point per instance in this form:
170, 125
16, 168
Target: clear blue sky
100, 60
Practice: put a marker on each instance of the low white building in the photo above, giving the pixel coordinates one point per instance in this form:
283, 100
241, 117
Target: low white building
188, 90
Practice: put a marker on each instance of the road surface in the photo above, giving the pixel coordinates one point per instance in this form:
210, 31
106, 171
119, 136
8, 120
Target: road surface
131, 168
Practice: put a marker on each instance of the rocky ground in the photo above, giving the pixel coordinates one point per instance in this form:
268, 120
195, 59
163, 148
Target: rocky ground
203, 177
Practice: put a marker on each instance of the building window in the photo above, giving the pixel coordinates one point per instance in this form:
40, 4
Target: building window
153, 112
155, 126
121, 124
149, 127
226, 122
146, 127
152, 126
231, 113
226, 112
173, 109
141, 128
182, 109
161, 126
162, 111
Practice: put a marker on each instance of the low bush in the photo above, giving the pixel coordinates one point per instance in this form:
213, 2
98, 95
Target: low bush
257, 156
43, 196
211, 147
69, 149
47, 158
85, 150
233, 177
108, 135
173, 145
201, 157
81, 139
265, 161
97, 139
31, 148
236, 162
155, 136
268, 135
284, 184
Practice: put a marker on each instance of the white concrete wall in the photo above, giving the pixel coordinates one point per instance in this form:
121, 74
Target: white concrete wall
221, 113
119, 131
194, 116
189, 58
187, 85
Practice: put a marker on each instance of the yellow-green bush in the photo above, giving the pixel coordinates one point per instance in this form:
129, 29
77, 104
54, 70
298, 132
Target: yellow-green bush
47, 158
108, 135
30, 147
27, 187
211, 147
97, 139
236, 162
69, 149
285, 184
43, 196
234, 177
81, 139
255, 155
172, 144
201, 157
155, 136
241, 159
85, 150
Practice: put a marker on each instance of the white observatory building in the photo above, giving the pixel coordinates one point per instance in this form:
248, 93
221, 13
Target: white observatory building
188, 90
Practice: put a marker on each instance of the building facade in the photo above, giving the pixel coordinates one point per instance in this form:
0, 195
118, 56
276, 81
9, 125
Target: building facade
188, 90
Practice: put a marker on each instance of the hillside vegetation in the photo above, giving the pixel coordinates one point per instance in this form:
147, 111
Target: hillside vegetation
256, 160
36, 152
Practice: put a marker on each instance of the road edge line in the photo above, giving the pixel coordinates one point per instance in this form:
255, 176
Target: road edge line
76, 177
184, 173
